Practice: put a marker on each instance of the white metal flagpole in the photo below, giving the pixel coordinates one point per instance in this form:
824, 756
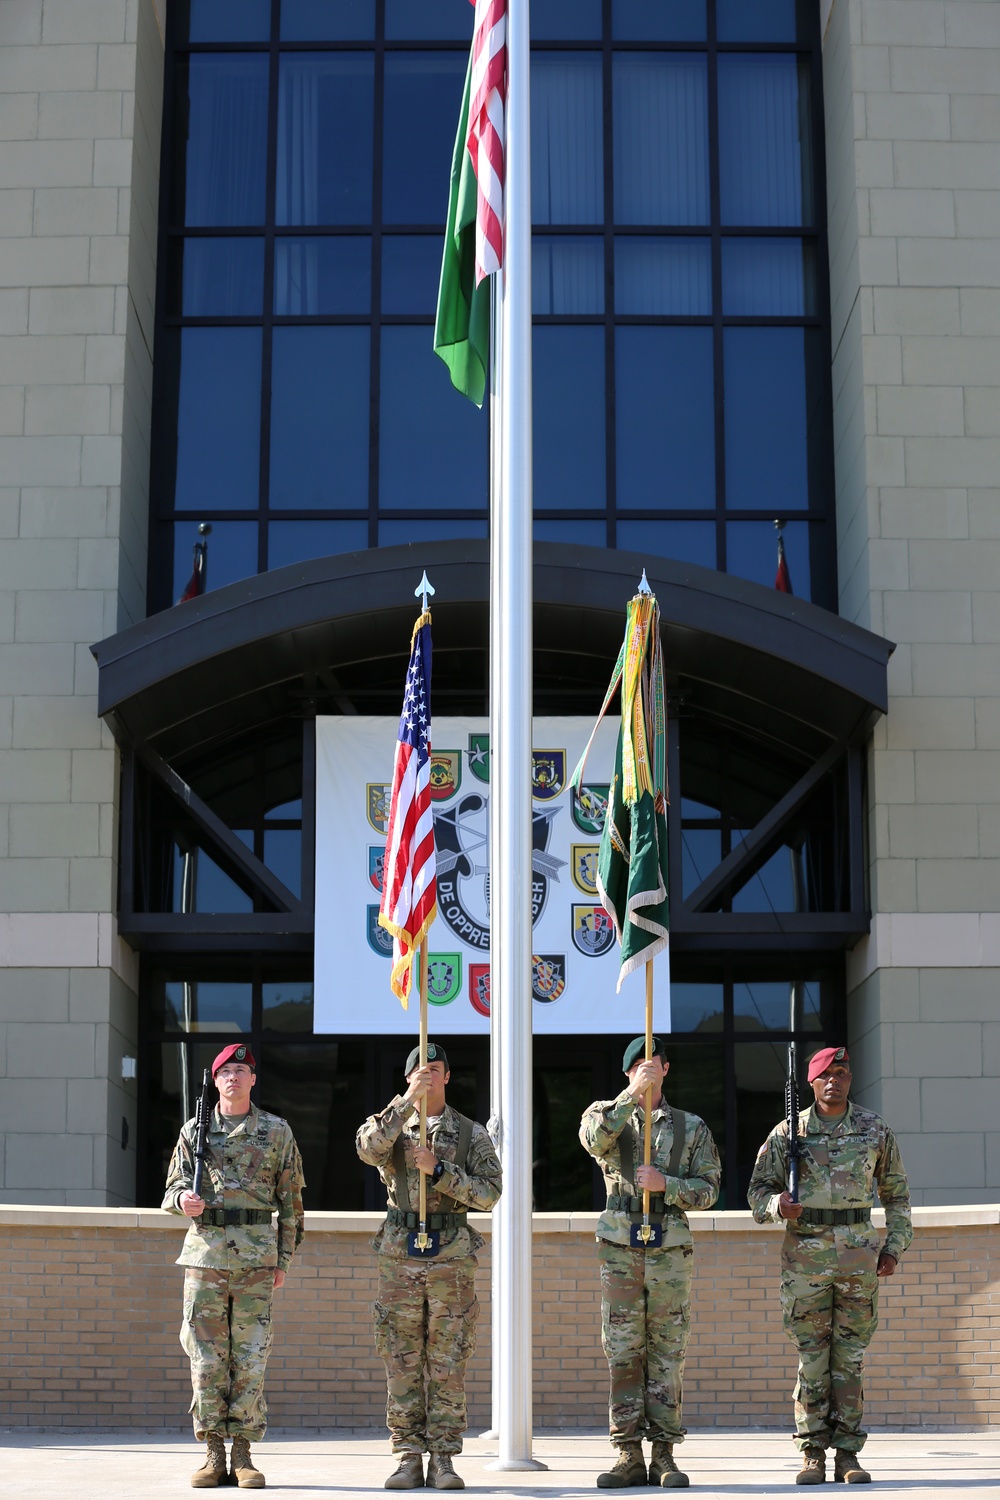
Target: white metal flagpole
510, 724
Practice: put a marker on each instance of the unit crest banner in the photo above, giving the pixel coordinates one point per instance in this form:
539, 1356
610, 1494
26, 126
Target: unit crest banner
575, 959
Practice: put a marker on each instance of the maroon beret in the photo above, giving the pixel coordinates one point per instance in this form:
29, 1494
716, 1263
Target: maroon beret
238, 1052
820, 1061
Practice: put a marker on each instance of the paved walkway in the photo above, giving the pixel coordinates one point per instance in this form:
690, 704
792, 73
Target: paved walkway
50, 1465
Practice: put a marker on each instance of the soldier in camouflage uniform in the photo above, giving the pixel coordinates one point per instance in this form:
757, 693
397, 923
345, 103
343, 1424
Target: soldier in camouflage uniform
426, 1310
646, 1293
234, 1258
831, 1259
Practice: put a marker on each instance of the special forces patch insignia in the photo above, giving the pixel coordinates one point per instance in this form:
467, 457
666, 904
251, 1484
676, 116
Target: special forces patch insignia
376, 864
479, 988
461, 835
593, 930
583, 861
548, 774
444, 977
379, 940
479, 756
378, 794
590, 807
445, 774
239, 1054
548, 976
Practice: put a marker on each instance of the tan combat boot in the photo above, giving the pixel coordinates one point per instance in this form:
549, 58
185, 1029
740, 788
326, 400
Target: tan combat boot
813, 1470
441, 1473
247, 1477
213, 1471
409, 1474
847, 1469
628, 1471
663, 1471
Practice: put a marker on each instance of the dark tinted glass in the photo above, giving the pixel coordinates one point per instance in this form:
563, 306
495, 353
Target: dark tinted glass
663, 277
684, 541
298, 541
221, 153
555, 21
218, 418
319, 417
764, 20
562, 1172
411, 270
661, 138
577, 533
325, 103
320, 275
773, 394
765, 139
768, 278
568, 420
771, 888
567, 275
232, 554
752, 552
221, 20
665, 417
393, 533
423, 96
701, 851
283, 855
318, 1087
428, 20
222, 278
658, 20
760, 1102
327, 20
423, 419
199, 885
696, 1007
201, 1005
287, 1005
567, 141
766, 1003
697, 1082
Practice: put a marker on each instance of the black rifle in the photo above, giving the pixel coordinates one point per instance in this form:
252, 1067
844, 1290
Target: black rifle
201, 1118
792, 1115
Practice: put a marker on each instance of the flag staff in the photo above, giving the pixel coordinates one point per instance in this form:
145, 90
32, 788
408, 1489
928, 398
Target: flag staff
421, 591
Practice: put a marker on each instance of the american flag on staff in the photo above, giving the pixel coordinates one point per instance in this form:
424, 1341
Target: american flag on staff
487, 108
409, 886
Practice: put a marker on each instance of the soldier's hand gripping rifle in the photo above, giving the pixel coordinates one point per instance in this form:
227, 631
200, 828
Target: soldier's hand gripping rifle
201, 1118
792, 1115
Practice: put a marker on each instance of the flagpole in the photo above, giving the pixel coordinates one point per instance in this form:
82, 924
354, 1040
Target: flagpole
647, 1138
422, 961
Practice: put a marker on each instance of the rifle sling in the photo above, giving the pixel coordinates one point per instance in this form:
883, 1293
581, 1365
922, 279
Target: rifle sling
399, 1164
626, 1148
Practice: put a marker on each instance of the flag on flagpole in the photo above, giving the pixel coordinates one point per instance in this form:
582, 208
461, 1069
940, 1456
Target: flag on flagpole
473, 242
409, 885
195, 586
782, 579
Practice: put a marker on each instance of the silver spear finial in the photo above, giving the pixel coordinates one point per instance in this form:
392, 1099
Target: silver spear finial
423, 588
644, 587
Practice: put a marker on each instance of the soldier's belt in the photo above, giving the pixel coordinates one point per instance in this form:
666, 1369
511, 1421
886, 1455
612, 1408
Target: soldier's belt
628, 1205
220, 1217
409, 1220
834, 1215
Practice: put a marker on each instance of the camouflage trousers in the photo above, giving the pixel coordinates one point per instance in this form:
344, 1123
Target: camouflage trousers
425, 1331
645, 1319
830, 1319
226, 1335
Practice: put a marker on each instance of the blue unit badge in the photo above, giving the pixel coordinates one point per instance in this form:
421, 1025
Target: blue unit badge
379, 940
593, 930
590, 807
444, 977
376, 864
583, 860
378, 794
548, 976
479, 756
548, 774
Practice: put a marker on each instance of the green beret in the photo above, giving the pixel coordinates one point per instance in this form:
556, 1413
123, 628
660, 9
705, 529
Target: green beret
636, 1051
435, 1053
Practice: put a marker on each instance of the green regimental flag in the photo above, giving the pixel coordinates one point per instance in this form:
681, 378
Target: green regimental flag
632, 862
462, 324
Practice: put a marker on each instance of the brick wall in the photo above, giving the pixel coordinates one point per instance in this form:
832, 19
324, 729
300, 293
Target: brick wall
90, 1304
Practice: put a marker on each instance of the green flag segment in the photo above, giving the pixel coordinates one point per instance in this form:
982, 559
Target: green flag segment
632, 862
462, 324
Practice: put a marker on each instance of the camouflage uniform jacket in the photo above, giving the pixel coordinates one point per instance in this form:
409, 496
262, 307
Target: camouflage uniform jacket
257, 1165
840, 1162
477, 1187
697, 1186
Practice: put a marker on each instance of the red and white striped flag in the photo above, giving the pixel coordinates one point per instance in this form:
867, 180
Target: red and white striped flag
486, 139
409, 883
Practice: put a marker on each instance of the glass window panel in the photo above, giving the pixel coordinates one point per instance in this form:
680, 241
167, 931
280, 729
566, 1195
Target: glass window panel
299, 541
697, 1084
661, 138
287, 1004
567, 141
283, 855
218, 418
765, 139
771, 888
664, 21
221, 149
423, 418
567, 275
568, 418
325, 120
695, 1007
222, 20
319, 1088
221, 278
322, 275
577, 533
288, 809
692, 809
327, 20
766, 1003
555, 21
665, 417
774, 395
395, 533
201, 1005
684, 541
232, 554
701, 853
562, 1173
764, 20
201, 886
429, 20
760, 1101
769, 278
663, 277
319, 417
423, 97
411, 272
752, 552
